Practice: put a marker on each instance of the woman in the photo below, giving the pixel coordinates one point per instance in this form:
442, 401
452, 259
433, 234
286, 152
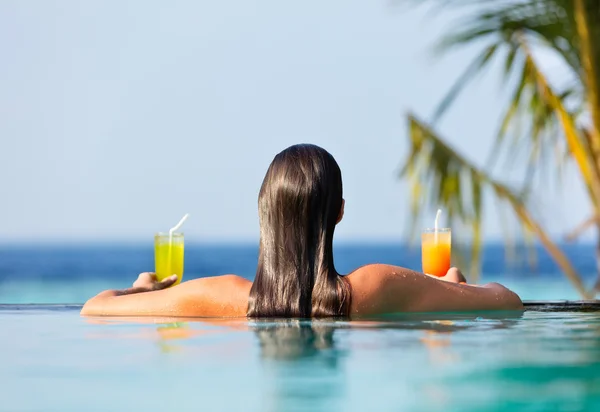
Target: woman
299, 204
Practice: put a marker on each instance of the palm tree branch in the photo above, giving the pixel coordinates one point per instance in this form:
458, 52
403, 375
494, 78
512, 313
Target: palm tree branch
587, 17
582, 227
577, 146
438, 159
550, 22
476, 66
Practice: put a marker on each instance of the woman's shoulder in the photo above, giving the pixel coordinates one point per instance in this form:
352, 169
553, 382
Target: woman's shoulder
229, 280
373, 272
369, 288
372, 277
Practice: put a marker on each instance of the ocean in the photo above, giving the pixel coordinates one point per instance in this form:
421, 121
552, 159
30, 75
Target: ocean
72, 273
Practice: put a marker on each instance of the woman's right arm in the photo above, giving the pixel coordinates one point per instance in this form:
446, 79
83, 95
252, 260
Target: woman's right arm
379, 289
218, 296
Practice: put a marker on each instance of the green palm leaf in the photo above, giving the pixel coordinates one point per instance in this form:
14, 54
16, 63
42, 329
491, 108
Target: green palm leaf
548, 122
442, 176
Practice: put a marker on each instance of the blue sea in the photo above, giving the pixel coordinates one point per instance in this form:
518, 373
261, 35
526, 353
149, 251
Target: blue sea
55, 273
51, 359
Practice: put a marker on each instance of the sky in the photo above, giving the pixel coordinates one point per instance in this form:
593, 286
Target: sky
117, 117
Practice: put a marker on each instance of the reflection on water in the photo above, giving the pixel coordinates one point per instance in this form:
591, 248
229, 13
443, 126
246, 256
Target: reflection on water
304, 366
291, 352
172, 331
436, 362
438, 344
293, 339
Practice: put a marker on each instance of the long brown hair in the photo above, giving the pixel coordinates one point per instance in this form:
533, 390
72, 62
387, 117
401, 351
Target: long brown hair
299, 204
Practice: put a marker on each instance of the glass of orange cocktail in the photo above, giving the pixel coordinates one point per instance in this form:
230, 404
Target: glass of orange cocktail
436, 246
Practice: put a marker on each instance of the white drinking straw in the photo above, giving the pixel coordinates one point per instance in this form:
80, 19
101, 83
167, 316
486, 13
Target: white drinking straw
177, 226
435, 225
171, 231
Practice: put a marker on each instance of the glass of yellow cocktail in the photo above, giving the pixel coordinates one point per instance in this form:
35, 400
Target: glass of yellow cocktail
436, 246
168, 256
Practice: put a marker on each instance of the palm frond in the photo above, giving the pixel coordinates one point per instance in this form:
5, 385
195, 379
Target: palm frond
548, 22
505, 26
576, 144
536, 104
509, 27
446, 178
587, 17
547, 122
474, 68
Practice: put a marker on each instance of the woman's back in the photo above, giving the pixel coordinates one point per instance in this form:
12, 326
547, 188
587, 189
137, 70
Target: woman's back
300, 203
376, 289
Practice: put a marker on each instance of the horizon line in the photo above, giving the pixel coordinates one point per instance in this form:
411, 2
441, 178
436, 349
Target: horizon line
247, 241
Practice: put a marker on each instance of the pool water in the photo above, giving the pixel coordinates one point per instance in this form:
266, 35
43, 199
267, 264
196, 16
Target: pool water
51, 359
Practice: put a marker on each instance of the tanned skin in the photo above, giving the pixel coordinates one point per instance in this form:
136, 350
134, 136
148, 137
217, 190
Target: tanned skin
376, 289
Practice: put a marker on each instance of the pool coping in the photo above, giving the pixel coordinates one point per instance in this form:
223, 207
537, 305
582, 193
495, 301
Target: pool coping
40, 306
530, 305
563, 305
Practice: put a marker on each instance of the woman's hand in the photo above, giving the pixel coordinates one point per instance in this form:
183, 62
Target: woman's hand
147, 282
107, 302
454, 275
